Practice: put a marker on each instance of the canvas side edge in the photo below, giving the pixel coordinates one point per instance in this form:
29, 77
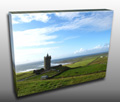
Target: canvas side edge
109, 42
12, 51
67, 10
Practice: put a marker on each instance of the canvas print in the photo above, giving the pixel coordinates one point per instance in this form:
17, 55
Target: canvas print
55, 49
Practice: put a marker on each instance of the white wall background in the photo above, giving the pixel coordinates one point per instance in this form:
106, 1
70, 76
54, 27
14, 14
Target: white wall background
108, 89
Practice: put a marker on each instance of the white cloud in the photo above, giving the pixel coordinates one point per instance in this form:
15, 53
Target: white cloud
26, 18
79, 51
71, 37
25, 42
33, 37
101, 21
96, 49
14, 22
31, 55
67, 15
101, 46
92, 21
68, 38
96, 21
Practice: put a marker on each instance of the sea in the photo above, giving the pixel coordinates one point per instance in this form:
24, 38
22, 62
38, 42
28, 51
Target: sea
40, 64
37, 65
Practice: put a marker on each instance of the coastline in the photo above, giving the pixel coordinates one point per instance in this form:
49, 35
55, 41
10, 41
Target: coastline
53, 64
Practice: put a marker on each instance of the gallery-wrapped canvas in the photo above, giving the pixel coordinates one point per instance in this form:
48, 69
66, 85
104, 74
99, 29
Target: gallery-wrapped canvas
55, 49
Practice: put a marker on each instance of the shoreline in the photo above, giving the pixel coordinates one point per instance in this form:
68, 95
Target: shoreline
28, 70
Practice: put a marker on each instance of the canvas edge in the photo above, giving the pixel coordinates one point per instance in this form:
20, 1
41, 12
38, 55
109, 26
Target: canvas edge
12, 51
110, 42
50, 11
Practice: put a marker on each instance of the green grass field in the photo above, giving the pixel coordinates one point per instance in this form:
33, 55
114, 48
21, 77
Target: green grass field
82, 62
83, 69
23, 75
30, 87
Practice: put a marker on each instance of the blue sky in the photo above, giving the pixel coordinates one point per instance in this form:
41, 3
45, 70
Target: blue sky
61, 34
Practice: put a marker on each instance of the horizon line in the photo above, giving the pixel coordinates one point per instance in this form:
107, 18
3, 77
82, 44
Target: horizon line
64, 57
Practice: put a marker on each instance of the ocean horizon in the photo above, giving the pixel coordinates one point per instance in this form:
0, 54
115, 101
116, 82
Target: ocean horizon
40, 64
33, 66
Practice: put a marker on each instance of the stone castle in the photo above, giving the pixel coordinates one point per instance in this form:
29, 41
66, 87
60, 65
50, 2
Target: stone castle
47, 67
47, 62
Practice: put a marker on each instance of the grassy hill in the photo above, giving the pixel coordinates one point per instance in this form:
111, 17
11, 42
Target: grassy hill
31, 87
82, 62
82, 70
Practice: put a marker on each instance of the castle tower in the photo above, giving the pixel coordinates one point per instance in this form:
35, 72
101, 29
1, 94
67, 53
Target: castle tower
47, 62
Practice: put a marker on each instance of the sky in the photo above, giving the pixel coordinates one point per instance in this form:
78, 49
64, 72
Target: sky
60, 34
